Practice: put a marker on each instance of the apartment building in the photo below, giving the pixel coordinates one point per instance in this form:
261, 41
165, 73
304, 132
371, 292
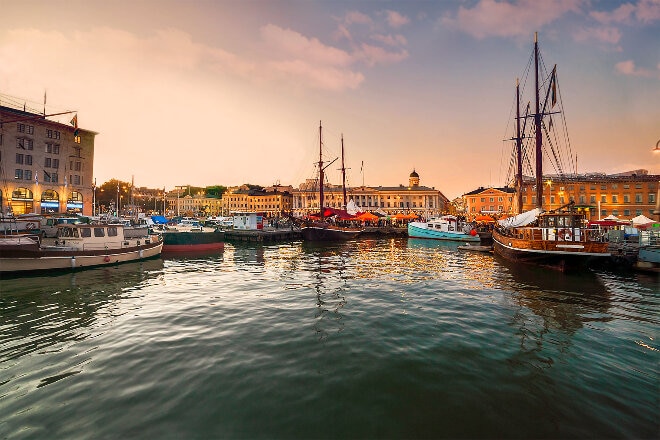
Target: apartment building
46, 167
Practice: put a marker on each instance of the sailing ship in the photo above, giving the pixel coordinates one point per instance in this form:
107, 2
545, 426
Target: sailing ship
322, 230
559, 238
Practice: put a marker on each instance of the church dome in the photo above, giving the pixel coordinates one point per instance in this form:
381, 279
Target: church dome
414, 174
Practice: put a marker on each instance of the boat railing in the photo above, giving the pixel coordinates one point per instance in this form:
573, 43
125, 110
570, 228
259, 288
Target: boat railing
567, 234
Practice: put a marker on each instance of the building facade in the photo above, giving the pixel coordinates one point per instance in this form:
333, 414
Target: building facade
413, 198
271, 201
489, 201
46, 167
181, 203
599, 195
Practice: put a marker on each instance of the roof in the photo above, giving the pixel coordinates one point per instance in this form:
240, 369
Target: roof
414, 174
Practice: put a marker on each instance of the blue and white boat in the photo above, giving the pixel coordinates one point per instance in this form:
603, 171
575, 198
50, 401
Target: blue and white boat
447, 227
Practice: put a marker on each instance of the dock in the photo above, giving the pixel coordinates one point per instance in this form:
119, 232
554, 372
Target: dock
262, 235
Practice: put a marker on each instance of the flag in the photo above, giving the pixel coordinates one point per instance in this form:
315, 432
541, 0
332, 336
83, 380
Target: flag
361, 166
65, 184
44, 97
554, 87
36, 178
74, 122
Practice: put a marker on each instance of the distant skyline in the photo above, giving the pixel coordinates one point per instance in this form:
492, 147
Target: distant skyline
229, 92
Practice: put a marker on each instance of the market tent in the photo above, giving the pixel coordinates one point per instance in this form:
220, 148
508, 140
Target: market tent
641, 220
367, 216
611, 217
484, 219
404, 216
608, 223
159, 219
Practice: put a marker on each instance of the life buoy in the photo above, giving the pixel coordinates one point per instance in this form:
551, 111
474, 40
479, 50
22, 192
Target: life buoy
566, 234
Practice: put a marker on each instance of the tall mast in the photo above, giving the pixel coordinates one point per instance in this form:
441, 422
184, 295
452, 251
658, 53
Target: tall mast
343, 172
519, 181
320, 171
537, 127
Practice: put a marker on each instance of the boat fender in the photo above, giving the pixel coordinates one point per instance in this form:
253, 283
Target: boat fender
106, 259
473, 232
73, 261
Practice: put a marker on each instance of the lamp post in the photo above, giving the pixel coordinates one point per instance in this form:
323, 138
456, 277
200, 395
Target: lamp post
94, 198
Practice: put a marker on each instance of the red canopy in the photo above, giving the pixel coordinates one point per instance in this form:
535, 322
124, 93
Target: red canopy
607, 223
367, 216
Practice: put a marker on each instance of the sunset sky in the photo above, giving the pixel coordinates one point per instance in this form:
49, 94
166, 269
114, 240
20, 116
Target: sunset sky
230, 92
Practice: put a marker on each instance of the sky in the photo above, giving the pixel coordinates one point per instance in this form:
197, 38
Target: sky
230, 92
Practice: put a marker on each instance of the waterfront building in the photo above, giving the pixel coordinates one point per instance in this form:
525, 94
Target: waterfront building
624, 195
270, 201
46, 167
413, 198
489, 201
181, 202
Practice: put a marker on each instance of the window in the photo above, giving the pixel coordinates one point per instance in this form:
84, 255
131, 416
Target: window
615, 198
603, 187
499, 199
626, 198
615, 186
76, 139
638, 197
638, 212
56, 149
99, 232
651, 198
626, 186
483, 199
53, 177
49, 147
638, 186
47, 162
603, 198
27, 174
592, 199
85, 232
28, 159
592, 187
615, 212
19, 159
112, 231
78, 166
626, 212
492, 199
583, 199
56, 163
18, 174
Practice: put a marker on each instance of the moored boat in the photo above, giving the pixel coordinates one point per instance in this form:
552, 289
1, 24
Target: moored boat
322, 230
194, 239
447, 227
559, 239
75, 246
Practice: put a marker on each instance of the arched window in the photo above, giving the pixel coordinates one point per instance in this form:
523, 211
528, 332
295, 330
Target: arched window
75, 202
50, 202
21, 201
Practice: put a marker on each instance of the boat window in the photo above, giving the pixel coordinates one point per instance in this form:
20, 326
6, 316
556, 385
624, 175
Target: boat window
112, 231
551, 222
85, 232
99, 232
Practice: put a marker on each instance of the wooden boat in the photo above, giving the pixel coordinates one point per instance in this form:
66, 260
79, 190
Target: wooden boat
322, 230
558, 239
75, 246
447, 227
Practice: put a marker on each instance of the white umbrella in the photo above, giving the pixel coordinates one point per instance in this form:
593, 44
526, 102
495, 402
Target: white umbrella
641, 220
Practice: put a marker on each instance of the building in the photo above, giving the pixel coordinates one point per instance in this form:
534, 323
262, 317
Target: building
46, 167
413, 198
489, 201
182, 202
271, 201
624, 195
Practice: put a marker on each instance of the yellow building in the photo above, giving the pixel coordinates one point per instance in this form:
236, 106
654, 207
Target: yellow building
624, 195
413, 198
181, 203
271, 201
47, 166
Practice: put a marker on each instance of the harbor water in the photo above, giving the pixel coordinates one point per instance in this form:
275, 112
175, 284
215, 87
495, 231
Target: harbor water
383, 338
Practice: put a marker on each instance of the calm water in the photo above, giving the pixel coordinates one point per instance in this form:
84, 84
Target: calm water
368, 339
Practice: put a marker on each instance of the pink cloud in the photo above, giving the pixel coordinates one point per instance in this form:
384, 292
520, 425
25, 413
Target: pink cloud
357, 17
648, 11
286, 42
390, 40
504, 19
606, 34
373, 55
396, 20
321, 77
629, 68
622, 14
645, 11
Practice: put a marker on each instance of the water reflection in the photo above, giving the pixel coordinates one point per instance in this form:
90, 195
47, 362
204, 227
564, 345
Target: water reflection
38, 312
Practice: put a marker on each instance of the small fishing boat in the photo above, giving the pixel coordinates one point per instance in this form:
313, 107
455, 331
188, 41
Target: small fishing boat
75, 246
447, 227
322, 230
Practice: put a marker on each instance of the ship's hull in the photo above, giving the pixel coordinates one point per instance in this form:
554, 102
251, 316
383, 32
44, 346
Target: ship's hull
26, 259
648, 259
420, 232
193, 241
328, 233
563, 256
